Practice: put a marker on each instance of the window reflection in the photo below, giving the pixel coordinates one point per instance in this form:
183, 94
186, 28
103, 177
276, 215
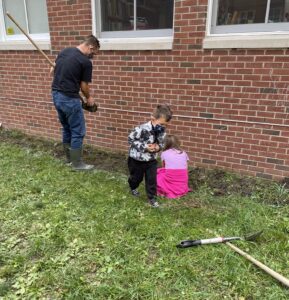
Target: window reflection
154, 14
251, 11
118, 15
30, 14
241, 12
279, 11
17, 10
37, 16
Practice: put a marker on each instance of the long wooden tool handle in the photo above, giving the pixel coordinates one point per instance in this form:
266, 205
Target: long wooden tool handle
33, 43
30, 39
274, 274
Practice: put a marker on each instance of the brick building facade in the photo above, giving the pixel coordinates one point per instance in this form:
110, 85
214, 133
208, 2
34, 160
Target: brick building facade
230, 104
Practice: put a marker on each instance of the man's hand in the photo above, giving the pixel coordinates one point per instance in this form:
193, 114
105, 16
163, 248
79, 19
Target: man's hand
51, 71
90, 101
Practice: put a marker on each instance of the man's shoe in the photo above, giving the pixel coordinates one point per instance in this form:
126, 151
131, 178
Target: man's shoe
77, 163
153, 203
135, 193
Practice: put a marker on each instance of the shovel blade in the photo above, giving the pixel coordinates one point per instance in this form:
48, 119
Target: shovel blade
253, 236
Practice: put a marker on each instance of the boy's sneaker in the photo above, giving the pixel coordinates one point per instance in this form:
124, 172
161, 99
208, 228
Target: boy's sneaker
154, 203
135, 192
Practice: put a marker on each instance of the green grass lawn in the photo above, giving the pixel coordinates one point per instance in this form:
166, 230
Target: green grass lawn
68, 235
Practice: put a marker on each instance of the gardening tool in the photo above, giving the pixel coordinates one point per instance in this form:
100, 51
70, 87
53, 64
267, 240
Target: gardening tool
92, 108
226, 240
30, 39
269, 271
192, 243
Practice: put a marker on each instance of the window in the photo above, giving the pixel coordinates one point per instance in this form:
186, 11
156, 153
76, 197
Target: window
31, 16
133, 19
242, 16
247, 24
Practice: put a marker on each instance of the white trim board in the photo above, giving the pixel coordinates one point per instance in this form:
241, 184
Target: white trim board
24, 45
148, 43
258, 41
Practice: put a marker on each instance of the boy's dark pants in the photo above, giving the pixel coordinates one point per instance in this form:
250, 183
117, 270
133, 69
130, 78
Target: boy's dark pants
139, 169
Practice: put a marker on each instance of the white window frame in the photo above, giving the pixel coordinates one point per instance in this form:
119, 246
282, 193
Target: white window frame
20, 41
159, 39
272, 35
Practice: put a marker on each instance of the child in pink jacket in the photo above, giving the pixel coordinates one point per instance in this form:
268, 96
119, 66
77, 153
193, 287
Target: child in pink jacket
172, 179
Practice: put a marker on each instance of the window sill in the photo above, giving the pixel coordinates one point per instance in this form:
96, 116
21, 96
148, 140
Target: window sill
146, 43
247, 41
24, 45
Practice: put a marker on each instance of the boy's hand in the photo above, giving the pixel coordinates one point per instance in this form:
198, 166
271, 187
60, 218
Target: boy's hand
157, 148
151, 148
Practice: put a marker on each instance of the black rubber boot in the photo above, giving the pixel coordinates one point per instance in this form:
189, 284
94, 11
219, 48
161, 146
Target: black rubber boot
77, 163
66, 148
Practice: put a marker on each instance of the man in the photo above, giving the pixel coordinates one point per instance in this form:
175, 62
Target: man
72, 74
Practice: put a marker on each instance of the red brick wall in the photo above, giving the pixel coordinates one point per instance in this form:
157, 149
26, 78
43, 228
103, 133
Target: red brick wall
231, 106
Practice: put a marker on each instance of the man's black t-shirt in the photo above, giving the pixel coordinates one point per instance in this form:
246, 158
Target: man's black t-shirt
72, 67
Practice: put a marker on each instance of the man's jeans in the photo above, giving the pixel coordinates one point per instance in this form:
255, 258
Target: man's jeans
71, 117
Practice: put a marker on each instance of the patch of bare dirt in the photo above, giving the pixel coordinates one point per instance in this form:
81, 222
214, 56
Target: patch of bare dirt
220, 182
109, 161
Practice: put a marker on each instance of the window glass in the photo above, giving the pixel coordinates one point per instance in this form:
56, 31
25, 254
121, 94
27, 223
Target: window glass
154, 14
241, 12
17, 10
116, 14
119, 15
37, 16
32, 18
279, 11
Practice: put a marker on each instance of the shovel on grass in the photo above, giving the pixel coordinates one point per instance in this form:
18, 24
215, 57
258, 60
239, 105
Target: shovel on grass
226, 240
192, 243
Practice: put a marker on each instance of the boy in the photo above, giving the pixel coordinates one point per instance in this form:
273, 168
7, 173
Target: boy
145, 141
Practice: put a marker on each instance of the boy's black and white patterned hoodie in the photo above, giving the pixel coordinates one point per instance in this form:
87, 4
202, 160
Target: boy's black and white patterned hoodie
140, 137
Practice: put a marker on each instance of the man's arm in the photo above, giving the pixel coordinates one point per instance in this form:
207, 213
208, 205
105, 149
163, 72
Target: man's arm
86, 92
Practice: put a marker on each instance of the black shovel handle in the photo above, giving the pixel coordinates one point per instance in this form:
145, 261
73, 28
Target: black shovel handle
189, 243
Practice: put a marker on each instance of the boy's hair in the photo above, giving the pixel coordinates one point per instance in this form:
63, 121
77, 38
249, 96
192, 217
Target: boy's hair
163, 110
172, 142
91, 40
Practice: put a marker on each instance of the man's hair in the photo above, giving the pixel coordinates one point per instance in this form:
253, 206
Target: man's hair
163, 110
172, 142
92, 41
